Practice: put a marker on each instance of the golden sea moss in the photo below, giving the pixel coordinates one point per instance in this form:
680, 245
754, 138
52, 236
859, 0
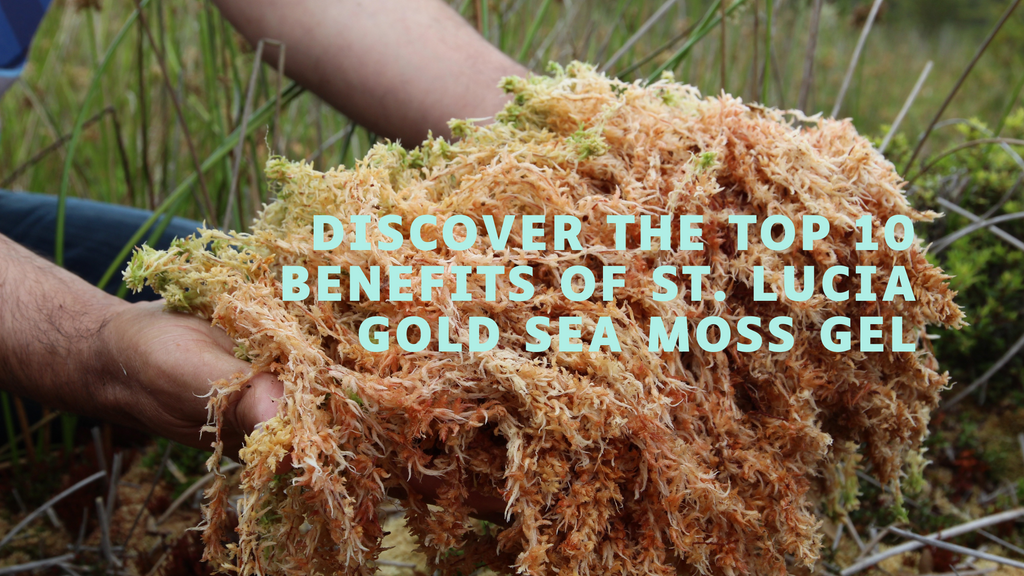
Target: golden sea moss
629, 462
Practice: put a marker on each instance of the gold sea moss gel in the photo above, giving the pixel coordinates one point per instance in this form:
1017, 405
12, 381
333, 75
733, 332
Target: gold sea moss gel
625, 462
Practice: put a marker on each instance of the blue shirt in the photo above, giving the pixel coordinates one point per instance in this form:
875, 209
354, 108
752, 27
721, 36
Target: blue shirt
19, 20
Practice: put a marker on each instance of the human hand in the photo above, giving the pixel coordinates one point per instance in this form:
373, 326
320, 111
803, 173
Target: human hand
167, 361
163, 363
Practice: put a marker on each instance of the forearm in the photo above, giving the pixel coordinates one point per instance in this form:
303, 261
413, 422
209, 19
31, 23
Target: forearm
398, 67
50, 324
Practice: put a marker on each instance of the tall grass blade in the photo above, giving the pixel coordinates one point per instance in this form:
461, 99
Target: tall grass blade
11, 436
703, 28
657, 52
564, 23
204, 196
767, 50
243, 125
68, 425
956, 88
856, 57
76, 133
623, 4
654, 19
147, 176
722, 49
812, 48
259, 117
906, 107
1015, 95
50, 148
344, 133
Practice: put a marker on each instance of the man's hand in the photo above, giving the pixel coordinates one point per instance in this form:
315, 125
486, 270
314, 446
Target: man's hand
74, 347
71, 346
167, 361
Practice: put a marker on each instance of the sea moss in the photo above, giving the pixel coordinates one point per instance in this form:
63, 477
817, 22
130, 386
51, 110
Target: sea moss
631, 462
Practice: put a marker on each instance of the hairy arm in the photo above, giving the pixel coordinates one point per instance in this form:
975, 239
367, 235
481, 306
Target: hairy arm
398, 67
50, 320
71, 346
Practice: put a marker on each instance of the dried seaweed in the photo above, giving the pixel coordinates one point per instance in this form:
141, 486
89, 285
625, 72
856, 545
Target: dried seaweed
631, 462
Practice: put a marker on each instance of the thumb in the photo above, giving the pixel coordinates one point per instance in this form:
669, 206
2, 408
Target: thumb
258, 402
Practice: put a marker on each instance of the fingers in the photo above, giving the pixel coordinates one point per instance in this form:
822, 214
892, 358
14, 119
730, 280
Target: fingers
258, 402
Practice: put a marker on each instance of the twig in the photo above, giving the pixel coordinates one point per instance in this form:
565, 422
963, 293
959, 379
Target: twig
812, 48
874, 541
108, 552
959, 83
906, 107
856, 57
999, 232
67, 568
188, 493
839, 537
958, 549
49, 503
945, 242
36, 565
1006, 357
1001, 542
115, 477
950, 533
853, 532
81, 529
644, 28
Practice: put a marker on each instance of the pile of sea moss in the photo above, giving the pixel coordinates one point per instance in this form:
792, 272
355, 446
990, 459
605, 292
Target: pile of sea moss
627, 462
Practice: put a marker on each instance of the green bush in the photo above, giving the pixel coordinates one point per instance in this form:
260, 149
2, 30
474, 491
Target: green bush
987, 271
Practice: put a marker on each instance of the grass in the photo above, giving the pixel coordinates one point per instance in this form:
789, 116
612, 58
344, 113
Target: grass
86, 61
173, 119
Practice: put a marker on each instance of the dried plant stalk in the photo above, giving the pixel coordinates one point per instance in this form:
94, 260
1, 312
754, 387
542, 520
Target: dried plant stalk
630, 462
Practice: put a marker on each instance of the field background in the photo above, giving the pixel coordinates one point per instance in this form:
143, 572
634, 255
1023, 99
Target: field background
93, 117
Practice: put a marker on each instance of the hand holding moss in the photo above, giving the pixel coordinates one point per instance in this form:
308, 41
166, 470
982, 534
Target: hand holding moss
167, 361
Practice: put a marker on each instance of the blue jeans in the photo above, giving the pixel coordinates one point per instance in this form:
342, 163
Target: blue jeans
94, 233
